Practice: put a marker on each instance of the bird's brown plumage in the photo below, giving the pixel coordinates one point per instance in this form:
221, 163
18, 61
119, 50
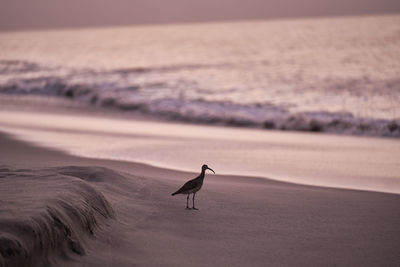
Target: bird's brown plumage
192, 186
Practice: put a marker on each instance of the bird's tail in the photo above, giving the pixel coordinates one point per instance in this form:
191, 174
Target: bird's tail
173, 194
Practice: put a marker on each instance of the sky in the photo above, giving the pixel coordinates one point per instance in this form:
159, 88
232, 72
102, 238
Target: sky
44, 14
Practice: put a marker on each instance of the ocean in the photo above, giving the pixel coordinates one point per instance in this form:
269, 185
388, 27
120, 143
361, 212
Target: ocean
336, 75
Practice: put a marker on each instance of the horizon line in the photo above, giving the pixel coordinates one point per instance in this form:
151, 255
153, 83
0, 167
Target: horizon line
144, 24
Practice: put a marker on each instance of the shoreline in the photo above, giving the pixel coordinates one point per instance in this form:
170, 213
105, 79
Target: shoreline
146, 169
241, 220
312, 122
369, 163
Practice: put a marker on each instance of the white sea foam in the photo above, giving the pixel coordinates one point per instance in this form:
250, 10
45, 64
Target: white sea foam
327, 75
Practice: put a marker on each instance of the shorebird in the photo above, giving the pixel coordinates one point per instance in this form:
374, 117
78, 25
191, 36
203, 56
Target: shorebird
192, 186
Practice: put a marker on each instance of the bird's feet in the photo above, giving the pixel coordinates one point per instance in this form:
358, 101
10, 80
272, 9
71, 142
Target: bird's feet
188, 208
195, 208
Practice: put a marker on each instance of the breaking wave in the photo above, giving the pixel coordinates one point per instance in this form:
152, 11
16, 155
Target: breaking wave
162, 92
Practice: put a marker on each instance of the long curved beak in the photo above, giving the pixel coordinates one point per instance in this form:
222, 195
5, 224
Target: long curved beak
211, 170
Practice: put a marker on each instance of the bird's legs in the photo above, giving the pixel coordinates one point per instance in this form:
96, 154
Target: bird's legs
193, 202
187, 202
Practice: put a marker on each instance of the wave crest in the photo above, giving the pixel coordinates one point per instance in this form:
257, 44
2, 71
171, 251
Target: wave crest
141, 90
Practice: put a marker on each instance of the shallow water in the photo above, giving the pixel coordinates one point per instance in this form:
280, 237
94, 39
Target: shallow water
305, 158
336, 75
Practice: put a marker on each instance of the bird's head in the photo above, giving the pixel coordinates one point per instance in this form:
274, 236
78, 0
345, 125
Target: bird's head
205, 167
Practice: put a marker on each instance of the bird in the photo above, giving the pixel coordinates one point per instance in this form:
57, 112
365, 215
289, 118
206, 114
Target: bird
192, 186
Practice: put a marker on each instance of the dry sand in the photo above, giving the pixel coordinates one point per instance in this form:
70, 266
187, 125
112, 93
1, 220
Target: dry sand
62, 210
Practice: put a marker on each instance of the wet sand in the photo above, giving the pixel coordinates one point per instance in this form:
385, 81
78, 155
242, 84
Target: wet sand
315, 159
242, 221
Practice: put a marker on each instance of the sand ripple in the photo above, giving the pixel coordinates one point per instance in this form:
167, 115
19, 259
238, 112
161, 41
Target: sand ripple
50, 213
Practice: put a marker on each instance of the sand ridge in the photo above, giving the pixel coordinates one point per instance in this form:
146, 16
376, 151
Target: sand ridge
49, 213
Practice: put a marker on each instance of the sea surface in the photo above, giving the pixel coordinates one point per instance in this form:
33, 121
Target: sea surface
337, 75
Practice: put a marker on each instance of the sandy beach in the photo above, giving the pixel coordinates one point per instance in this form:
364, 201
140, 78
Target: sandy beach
62, 210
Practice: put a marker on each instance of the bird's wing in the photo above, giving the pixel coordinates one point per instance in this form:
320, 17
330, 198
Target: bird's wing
187, 186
